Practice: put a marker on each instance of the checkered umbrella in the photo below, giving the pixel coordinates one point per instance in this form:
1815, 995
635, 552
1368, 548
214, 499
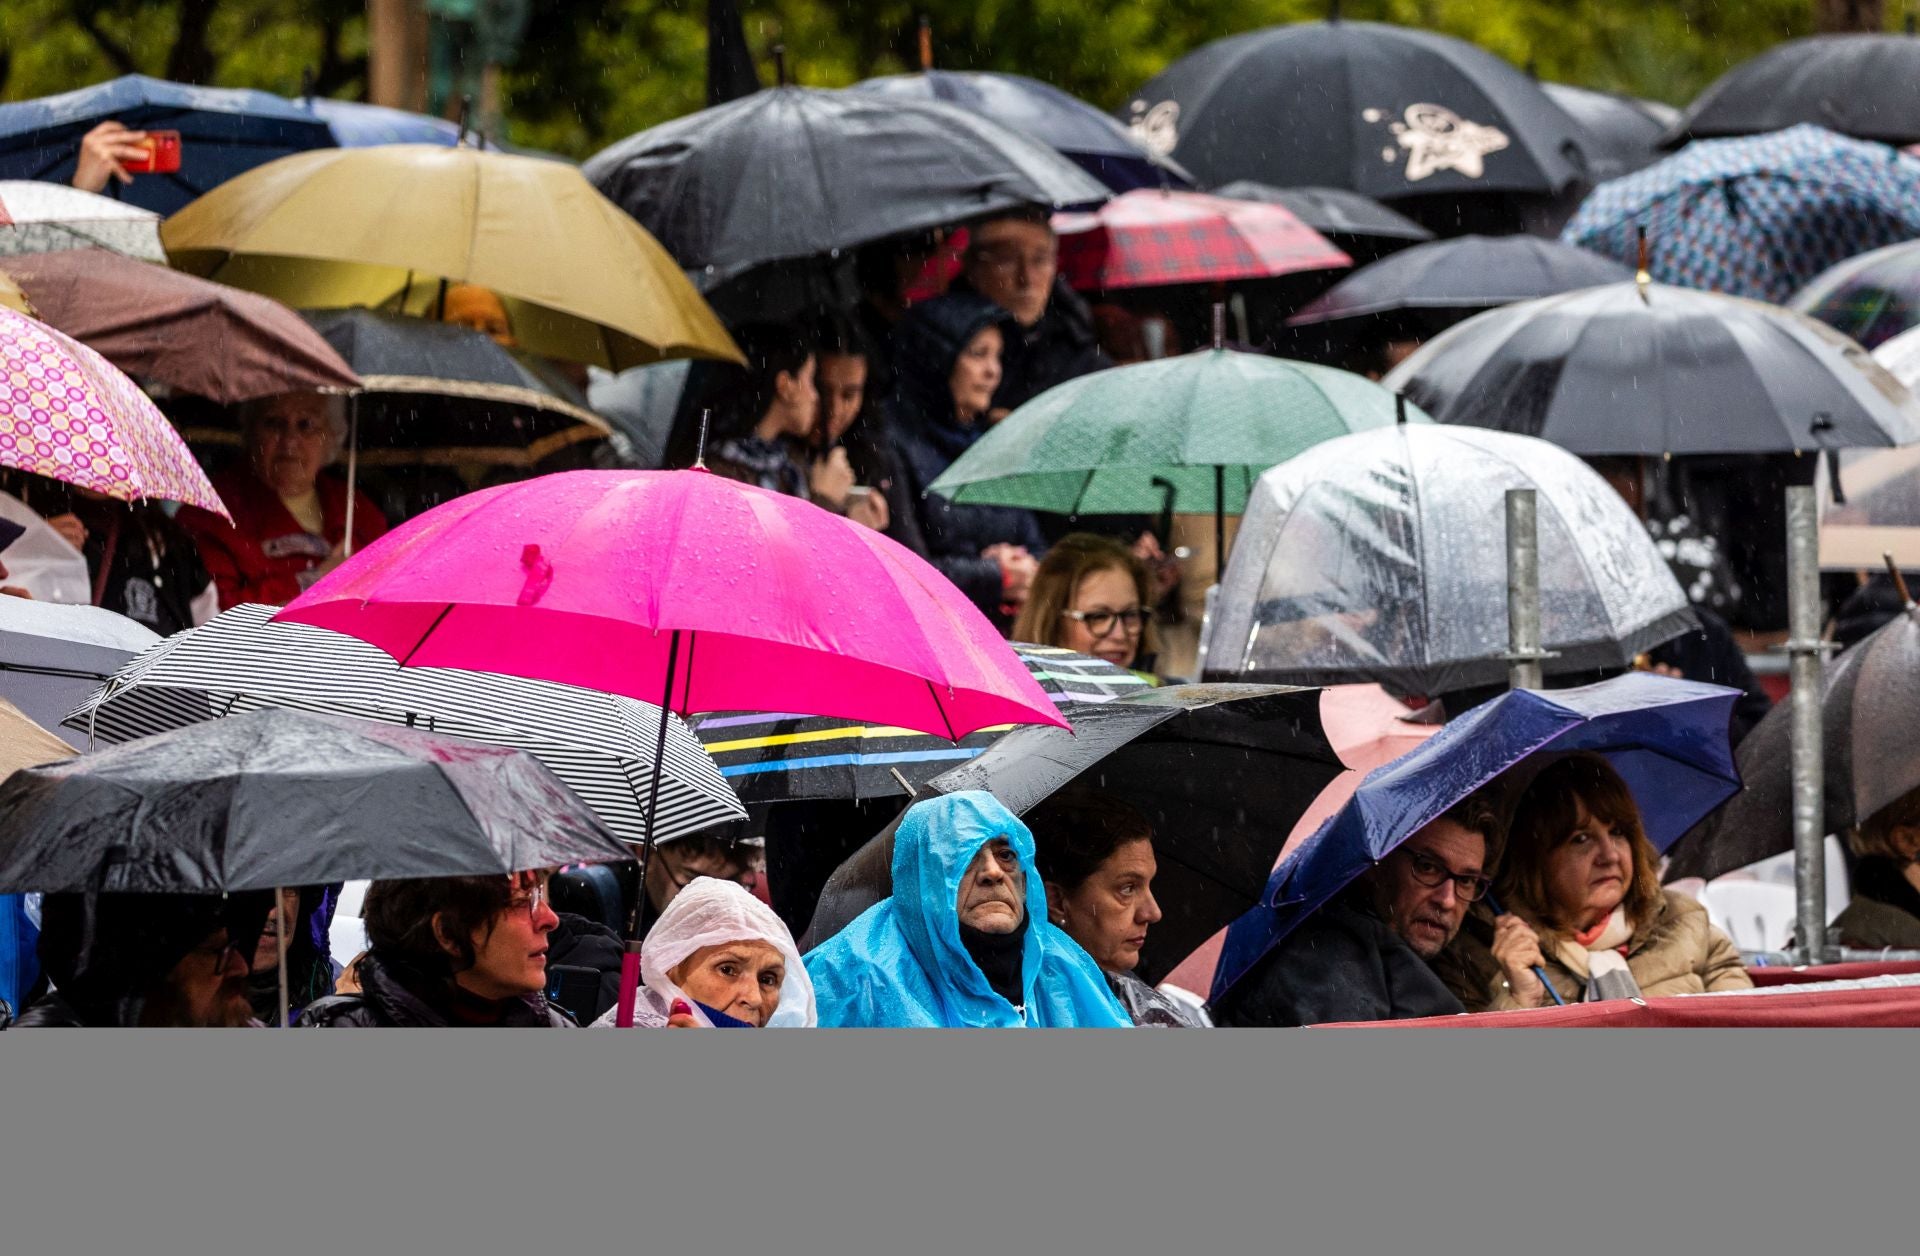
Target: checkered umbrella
1145, 238
1756, 217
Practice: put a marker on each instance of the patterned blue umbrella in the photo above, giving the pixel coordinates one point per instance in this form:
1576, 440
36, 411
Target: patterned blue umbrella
1756, 217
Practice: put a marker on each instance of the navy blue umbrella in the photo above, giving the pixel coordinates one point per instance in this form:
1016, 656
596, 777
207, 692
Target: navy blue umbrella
358, 125
223, 132
1667, 739
1096, 142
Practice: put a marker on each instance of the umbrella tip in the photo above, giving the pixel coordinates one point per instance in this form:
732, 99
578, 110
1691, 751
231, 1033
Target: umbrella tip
466, 114
1333, 10
1642, 277
1400, 409
1899, 580
926, 53
1219, 325
700, 449
780, 65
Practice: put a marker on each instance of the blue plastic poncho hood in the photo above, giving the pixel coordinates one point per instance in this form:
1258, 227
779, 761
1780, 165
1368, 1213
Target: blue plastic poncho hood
901, 962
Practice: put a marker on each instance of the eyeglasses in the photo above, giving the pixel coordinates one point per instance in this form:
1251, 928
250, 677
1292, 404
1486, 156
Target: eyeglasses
1431, 873
529, 900
1100, 623
1010, 260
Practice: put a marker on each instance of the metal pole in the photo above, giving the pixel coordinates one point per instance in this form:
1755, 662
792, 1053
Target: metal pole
1805, 649
1523, 590
281, 925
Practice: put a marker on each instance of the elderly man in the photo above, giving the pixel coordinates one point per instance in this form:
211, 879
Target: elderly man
964, 940
1366, 955
1014, 261
289, 521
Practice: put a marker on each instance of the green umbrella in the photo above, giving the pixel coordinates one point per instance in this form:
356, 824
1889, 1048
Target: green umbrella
1201, 427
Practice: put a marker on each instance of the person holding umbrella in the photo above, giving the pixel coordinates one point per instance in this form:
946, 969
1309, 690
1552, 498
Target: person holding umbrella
1586, 908
1014, 261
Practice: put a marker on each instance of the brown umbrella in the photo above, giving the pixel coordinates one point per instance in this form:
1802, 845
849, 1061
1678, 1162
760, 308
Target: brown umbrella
193, 335
24, 744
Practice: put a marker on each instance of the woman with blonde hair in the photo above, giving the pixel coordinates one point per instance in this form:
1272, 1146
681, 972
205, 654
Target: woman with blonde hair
1091, 595
1582, 888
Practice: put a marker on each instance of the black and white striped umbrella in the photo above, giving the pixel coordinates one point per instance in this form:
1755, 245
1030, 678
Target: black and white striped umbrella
599, 744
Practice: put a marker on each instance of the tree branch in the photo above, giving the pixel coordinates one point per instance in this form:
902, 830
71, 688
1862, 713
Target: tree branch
111, 48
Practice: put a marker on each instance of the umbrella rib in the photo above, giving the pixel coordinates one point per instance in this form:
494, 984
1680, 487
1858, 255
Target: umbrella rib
444, 612
931, 693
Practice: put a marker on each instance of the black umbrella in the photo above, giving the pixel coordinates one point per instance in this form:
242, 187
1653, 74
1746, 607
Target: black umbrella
1447, 279
284, 798
1623, 132
1386, 110
1220, 771
1858, 85
1870, 721
1360, 226
1626, 369
798, 172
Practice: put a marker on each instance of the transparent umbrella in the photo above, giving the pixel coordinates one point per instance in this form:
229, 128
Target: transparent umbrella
1381, 556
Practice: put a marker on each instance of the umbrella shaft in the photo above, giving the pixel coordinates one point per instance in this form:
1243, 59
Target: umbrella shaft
1809, 752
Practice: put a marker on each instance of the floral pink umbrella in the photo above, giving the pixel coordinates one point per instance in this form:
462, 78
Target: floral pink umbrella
67, 414
683, 588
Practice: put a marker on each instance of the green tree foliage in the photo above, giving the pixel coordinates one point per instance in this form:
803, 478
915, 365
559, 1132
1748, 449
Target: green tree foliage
591, 71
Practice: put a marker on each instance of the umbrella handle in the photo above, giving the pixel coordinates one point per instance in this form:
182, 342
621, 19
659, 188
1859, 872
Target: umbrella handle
1539, 970
629, 986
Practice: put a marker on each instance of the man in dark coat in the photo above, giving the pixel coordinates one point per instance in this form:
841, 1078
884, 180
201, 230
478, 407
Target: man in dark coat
1366, 955
1014, 261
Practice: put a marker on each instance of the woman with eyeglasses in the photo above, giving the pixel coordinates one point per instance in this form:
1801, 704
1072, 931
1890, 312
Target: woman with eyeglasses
450, 951
1092, 595
1581, 887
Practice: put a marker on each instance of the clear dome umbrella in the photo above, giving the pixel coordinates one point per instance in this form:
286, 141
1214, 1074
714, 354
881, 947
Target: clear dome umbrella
1381, 556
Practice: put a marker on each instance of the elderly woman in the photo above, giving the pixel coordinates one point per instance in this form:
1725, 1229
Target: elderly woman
1092, 595
450, 951
1582, 885
289, 521
719, 957
1885, 910
1095, 855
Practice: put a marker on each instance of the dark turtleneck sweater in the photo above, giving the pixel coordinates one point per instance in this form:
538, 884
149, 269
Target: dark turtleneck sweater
1001, 957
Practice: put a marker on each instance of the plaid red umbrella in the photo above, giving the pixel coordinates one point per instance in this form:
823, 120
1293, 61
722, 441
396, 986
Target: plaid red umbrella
1145, 238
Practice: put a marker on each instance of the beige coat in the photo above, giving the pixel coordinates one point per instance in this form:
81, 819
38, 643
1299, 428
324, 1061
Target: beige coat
1679, 951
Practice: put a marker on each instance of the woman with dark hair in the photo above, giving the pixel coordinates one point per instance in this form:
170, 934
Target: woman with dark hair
450, 951
1095, 855
305, 915
1885, 910
1582, 888
853, 469
947, 366
764, 411
1092, 595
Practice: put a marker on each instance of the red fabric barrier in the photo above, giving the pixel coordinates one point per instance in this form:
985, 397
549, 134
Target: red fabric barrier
1885, 1007
1784, 976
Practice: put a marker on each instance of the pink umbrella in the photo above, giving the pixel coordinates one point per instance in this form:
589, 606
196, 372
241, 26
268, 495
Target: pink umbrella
67, 414
686, 589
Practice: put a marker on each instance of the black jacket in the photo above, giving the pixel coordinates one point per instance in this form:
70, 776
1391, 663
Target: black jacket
385, 1003
927, 438
1059, 347
583, 967
1342, 964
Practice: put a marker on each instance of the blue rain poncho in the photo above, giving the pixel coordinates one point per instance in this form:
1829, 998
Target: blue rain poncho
901, 962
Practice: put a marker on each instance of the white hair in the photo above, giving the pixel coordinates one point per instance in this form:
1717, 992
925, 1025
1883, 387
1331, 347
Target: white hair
250, 413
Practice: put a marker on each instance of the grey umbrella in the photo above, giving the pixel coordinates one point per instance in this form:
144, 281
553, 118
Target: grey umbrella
1381, 557
1870, 717
1460, 276
52, 656
1624, 133
1651, 369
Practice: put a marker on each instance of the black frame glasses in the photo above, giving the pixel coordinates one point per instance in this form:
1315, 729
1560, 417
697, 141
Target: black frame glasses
1432, 873
1102, 623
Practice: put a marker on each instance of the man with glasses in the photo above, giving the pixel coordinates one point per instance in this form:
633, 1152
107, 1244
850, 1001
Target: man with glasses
1367, 955
1014, 261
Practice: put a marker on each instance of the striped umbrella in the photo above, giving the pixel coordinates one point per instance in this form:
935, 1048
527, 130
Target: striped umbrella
772, 757
599, 744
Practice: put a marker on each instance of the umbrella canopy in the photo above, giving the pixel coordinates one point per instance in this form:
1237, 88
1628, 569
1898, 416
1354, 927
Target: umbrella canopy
1872, 298
1870, 722
51, 656
1859, 85
1358, 225
195, 336
1096, 142
1462, 275
1880, 512
442, 386
717, 187
1217, 770
285, 798
1667, 738
1755, 217
600, 745
680, 586
40, 217
224, 131
67, 414
11, 297
1379, 556
1207, 423
24, 744
640, 405
1623, 133
1148, 238
393, 225
1659, 370
356, 124
770, 757
1385, 110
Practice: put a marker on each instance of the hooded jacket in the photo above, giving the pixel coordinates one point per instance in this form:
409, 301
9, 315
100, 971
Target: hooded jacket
1885, 910
1061, 345
902, 961
928, 437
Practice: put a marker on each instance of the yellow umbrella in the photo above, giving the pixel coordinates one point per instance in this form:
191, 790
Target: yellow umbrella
24, 744
11, 296
390, 226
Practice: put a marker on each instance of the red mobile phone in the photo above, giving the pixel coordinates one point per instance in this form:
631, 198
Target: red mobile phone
163, 154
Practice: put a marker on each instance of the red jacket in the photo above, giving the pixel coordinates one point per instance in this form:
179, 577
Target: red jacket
264, 554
